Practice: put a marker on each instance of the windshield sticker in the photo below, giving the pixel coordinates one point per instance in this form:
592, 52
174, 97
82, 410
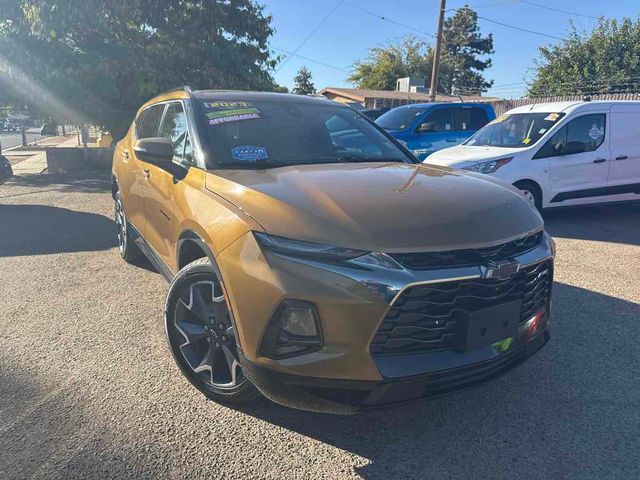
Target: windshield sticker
501, 118
595, 133
541, 131
249, 153
227, 104
223, 112
552, 117
526, 141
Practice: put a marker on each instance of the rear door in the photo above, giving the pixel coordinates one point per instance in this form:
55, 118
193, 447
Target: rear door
578, 156
624, 169
468, 120
134, 185
159, 200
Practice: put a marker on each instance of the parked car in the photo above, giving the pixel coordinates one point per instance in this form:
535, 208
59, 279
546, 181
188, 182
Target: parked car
375, 113
312, 260
6, 172
428, 127
559, 154
7, 126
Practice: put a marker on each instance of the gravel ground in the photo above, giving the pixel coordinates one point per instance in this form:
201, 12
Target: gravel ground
88, 388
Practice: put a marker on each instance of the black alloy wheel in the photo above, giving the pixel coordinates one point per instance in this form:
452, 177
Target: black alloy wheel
201, 334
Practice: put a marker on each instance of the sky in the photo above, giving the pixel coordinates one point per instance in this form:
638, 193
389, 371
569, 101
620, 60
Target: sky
332, 34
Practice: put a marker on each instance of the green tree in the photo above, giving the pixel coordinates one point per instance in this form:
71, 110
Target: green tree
103, 58
463, 59
302, 83
606, 60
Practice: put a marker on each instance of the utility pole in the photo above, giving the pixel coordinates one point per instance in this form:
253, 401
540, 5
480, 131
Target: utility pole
436, 56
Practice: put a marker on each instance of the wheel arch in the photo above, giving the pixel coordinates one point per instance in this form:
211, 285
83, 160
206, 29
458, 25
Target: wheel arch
530, 181
190, 247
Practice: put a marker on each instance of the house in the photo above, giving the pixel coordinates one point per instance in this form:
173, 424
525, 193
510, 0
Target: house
390, 98
408, 90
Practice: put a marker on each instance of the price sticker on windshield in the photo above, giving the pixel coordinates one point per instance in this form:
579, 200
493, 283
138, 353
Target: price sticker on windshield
552, 117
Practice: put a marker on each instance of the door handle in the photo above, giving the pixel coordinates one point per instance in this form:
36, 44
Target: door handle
622, 157
600, 160
147, 173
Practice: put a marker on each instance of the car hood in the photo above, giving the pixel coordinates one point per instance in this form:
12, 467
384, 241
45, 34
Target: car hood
391, 207
463, 155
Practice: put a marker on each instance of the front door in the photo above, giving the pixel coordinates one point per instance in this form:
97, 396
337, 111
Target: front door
578, 159
134, 183
159, 201
435, 131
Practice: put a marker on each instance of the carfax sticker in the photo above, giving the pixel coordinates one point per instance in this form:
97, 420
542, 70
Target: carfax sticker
249, 153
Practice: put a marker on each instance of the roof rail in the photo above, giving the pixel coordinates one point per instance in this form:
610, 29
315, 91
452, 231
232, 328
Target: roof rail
183, 88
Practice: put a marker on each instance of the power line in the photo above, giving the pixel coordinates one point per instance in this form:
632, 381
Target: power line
295, 51
519, 28
553, 9
311, 60
387, 19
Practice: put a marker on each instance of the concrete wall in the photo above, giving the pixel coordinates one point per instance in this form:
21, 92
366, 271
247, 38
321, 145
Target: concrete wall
64, 160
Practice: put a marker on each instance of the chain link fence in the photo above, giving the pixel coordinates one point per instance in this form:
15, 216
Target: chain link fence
25, 139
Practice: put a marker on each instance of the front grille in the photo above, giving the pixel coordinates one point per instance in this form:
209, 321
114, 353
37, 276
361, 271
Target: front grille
424, 317
465, 258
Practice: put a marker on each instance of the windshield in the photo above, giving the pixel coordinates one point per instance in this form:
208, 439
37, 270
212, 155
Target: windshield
270, 133
516, 130
399, 118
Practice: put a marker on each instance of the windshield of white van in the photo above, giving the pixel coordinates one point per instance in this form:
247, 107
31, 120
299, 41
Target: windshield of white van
516, 130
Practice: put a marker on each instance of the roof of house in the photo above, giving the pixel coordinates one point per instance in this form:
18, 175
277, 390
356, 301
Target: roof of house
360, 94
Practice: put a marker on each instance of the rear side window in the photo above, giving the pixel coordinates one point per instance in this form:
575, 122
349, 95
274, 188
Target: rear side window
174, 126
582, 134
471, 118
149, 122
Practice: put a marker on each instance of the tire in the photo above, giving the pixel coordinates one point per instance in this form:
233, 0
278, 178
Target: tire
532, 193
129, 251
200, 331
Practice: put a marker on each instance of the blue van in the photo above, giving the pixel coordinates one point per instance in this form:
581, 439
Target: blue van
428, 127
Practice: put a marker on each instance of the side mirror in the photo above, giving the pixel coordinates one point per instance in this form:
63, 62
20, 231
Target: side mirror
157, 150
428, 127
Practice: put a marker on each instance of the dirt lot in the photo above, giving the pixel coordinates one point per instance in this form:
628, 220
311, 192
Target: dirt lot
88, 387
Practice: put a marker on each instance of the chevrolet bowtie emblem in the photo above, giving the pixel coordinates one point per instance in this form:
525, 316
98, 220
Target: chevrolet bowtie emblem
501, 271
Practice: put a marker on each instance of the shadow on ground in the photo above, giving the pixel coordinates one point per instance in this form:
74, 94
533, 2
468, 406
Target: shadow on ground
598, 223
42, 229
86, 182
564, 413
44, 433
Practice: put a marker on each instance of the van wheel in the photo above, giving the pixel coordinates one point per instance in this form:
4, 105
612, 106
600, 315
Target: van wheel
531, 192
202, 336
127, 247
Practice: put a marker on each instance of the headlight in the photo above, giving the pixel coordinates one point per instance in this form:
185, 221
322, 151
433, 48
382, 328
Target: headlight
489, 167
298, 248
321, 252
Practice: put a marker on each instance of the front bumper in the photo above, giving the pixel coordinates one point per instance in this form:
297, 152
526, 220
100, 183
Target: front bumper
348, 397
344, 376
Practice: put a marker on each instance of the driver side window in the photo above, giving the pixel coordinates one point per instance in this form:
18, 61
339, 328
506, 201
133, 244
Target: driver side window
582, 134
440, 120
174, 126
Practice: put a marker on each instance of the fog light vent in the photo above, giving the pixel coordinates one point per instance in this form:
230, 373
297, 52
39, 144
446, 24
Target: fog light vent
293, 330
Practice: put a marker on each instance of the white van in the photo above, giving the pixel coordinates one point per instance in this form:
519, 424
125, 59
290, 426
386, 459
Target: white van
558, 154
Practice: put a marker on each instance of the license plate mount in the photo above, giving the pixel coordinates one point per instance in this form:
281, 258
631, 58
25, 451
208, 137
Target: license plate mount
489, 325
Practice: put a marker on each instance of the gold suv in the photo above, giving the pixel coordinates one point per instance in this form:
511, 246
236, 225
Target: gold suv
313, 260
